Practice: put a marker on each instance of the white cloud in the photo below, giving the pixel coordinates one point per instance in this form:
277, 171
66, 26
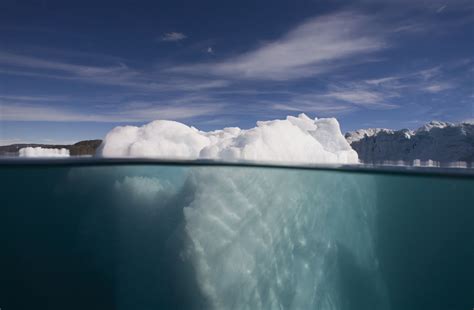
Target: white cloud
301, 105
173, 36
366, 98
438, 87
116, 75
359, 95
311, 103
337, 99
432, 80
411, 28
190, 84
32, 98
383, 80
441, 8
311, 48
29, 112
428, 73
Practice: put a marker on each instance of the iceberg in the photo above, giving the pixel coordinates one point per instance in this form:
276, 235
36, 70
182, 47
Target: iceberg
242, 238
276, 240
43, 152
292, 140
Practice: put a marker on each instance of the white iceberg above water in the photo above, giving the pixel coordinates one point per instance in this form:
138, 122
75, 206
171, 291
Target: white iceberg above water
43, 152
292, 140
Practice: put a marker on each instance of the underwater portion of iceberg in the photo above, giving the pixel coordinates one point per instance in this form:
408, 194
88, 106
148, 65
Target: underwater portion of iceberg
277, 240
222, 238
293, 140
216, 237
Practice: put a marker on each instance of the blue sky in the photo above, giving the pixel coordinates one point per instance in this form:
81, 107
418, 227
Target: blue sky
72, 70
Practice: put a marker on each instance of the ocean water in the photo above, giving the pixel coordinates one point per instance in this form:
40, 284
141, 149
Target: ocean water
186, 236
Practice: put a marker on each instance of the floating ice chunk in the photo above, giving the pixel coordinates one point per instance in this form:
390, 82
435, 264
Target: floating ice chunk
143, 188
295, 139
43, 152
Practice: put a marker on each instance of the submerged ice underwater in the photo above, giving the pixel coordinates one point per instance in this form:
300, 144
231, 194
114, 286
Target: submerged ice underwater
222, 237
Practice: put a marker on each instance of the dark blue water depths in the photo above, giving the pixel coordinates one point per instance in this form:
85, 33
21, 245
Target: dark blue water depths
157, 236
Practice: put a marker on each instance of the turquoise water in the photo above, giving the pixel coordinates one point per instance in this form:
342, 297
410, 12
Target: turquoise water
164, 236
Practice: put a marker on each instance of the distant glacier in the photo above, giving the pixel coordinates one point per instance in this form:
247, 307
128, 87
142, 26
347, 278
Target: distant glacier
440, 142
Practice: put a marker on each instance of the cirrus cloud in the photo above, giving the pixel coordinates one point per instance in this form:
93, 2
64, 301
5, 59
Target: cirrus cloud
173, 36
311, 48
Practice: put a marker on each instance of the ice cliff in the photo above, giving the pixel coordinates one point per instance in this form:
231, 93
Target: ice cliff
435, 141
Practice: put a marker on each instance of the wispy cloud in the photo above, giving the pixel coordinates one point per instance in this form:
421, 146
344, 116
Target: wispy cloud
338, 100
173, 37
128, 112
459, 5
119, 74
438, 87
306, 105
115, 75
428, 73
441, 8
361, 97
431, 80
32, 98
383, 80
411, 28
311, 48
343, 97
